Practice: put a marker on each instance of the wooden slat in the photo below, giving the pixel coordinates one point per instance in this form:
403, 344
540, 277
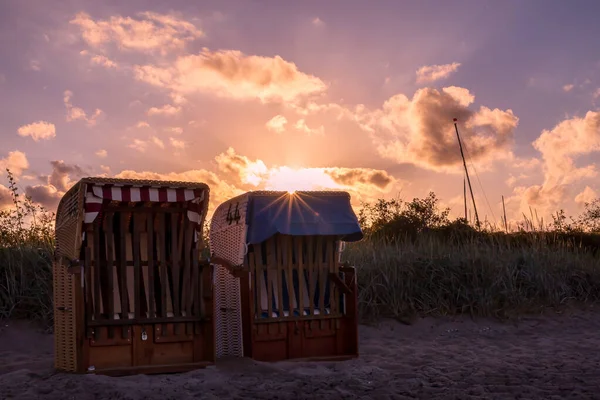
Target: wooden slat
311, 273
162, 263
269, 267
108, 230
89, 295
301, 281
175, 259
189, 240
254, 306
137, 264
146, 321
198, 283
322, 273
123, 266
258, 276
333, 292
289, 247
150, 250
277, 250
97, 255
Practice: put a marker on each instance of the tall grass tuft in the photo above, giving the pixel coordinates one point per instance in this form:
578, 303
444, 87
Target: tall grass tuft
413, 261
433, 276
26, 248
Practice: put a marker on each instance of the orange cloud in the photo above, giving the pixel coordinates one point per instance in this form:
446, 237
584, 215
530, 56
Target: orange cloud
150, 32
75, 113
586, 196
232, 74
167, 109
301, 126
430, 73
241, 168
5, 197
178, 144
61, 179
420, 130
252, 175
560, 146
40, 130
103, 61
16, 161
277, 124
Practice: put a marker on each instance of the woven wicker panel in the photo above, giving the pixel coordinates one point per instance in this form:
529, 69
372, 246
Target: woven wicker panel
228, 318
228, 240
68, 240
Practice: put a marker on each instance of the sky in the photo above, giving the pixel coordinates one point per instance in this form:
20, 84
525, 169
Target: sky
311, 95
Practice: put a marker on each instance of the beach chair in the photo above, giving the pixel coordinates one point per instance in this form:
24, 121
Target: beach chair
281, 291
130, 293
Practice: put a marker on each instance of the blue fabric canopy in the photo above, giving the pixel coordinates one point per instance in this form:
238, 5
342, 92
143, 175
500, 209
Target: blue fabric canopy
301, 213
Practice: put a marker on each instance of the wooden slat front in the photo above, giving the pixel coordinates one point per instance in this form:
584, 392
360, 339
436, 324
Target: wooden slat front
137, 260
301, 267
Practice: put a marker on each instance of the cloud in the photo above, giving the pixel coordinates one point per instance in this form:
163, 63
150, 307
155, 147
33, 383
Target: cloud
40, 130
178, 144
301, 126
277, 124
34, 65
158, 142
60, 178
150, 32
586, 196
102, 153
233, 74
241, 167
462, 95
378, 179
142, 124
167, 109
420, 131
139, 145
560, 146
56, 184
175, 129
142, 145
16, 161
45, 195
568, 88
362, 183
75, 113
103, 61
318, 21
431, 73
6, 199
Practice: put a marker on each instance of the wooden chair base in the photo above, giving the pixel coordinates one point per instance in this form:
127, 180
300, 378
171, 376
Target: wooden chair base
152, 369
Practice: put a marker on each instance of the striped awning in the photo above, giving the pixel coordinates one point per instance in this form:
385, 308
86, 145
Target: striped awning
98, 194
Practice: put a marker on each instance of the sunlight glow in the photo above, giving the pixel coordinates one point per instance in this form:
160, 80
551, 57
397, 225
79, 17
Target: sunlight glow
292, 180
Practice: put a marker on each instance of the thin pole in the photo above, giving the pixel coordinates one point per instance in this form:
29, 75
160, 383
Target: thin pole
504, 210
465, 197
467, 173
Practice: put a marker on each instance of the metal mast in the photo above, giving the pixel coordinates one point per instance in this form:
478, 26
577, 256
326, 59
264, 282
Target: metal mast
467, 173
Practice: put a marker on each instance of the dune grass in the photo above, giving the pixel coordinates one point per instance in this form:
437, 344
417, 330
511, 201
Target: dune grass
413, 261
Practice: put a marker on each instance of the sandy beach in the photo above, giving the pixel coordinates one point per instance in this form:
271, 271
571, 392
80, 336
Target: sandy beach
549, 357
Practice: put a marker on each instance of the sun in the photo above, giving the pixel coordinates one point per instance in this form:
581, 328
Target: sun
293, 180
